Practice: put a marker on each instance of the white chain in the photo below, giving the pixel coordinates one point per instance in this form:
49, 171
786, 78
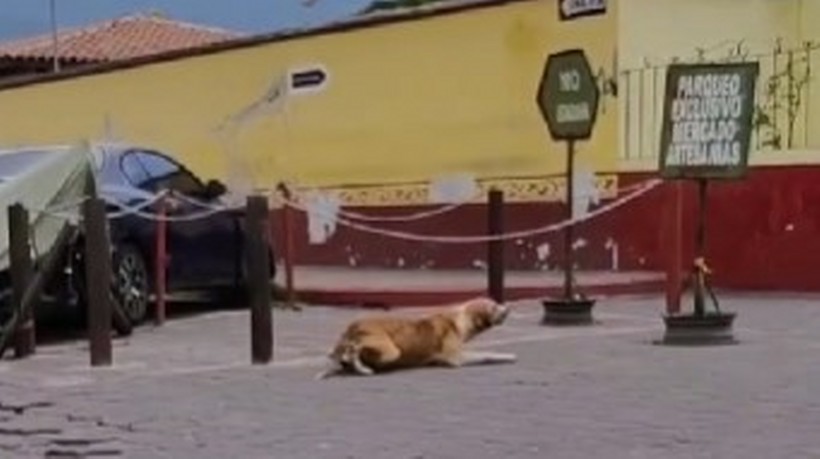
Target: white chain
441, 210
646, 187
346, 218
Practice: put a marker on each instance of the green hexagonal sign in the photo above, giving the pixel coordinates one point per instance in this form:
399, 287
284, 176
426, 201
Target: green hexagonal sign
568, 95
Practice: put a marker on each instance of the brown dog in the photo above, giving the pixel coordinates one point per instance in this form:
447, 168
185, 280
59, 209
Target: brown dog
377, 344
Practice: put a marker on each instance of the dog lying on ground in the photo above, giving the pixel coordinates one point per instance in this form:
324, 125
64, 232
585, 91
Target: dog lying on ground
379, 344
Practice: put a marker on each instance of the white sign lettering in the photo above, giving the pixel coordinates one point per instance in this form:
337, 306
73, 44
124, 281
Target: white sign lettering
573, 113
569, 81
705, 116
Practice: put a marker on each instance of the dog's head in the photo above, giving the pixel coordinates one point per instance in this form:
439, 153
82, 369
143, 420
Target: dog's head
482, 314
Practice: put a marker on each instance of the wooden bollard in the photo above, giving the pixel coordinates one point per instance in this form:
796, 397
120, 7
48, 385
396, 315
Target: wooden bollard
495, 248
21, 272
48, 266
98, 281
257, 258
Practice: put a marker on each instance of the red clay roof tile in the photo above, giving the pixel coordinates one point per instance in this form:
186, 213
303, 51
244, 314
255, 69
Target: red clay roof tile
119, 39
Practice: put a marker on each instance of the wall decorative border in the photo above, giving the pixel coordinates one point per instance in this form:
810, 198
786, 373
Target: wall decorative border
519, 190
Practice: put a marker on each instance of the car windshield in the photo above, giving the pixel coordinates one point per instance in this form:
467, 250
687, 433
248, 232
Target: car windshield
16, 163
153, 172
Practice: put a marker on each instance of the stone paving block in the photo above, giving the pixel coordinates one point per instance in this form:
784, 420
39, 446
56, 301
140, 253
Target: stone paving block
188, 390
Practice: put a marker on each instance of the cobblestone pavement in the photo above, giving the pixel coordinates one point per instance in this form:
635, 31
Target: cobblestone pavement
186, 390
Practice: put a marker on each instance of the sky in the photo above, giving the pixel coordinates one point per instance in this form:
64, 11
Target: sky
22, 18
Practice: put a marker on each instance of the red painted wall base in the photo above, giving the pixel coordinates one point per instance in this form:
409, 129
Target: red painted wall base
763, 232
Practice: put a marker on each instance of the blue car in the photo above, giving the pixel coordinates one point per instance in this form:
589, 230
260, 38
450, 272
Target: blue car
205, 247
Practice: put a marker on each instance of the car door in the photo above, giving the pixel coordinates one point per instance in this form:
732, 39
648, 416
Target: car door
202, 245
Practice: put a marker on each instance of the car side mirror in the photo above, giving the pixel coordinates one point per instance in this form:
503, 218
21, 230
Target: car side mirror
214, 189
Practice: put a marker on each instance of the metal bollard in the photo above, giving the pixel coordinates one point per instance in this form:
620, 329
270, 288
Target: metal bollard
674, 277
160, 260
288, 247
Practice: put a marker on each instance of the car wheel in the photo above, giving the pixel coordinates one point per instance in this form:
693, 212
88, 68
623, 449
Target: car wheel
131, 283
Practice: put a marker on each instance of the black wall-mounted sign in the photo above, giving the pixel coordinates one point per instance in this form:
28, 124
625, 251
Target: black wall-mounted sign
310, 79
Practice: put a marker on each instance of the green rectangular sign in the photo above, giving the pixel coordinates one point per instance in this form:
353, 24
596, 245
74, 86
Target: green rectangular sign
707, 120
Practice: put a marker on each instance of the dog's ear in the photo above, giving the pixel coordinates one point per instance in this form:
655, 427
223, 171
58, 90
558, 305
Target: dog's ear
500, 313
481, 320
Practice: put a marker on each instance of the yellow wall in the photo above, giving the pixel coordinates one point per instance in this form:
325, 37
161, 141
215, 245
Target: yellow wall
408, 101
810, 18
809, 13
651, 33
657, 30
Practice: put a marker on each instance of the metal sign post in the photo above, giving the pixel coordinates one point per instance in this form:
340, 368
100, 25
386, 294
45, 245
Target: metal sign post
705, 136
568, 98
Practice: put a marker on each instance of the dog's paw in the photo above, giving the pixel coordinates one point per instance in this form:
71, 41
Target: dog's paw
328, 372
447, 363
488, 358
331, 368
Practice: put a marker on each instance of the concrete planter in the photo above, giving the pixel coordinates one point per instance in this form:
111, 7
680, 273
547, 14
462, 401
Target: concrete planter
568, 312
706, 329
